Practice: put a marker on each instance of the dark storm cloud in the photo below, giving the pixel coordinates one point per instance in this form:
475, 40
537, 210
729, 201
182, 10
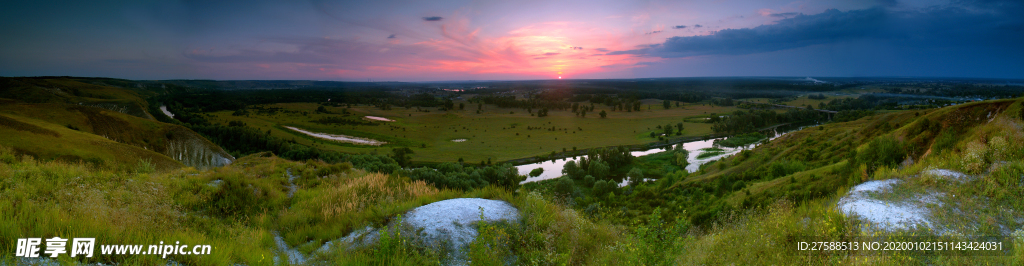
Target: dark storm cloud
832, 25
434, 18
653, 32
678, 27
697, 26
971, 25
550, 54
603, 50
393, 36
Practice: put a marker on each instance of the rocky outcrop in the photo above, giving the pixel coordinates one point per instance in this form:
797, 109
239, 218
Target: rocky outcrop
448, 222
193, 150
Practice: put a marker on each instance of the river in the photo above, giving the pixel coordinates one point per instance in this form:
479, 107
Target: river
553, 168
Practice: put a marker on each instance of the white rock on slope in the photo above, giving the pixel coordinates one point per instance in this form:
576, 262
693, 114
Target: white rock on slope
885, 215
452, 220
448, 221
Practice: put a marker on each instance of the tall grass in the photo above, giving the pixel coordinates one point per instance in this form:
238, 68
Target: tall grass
238, 208
234, 209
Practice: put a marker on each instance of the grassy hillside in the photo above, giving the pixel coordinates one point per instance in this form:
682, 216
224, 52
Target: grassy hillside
239, 209
48, 141
751, 206
115, 114
108, 171
811, 163
75, 91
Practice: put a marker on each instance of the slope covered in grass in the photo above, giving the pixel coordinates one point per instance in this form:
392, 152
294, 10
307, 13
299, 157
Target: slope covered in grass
747, 209
47, 141
238, 209
115, 114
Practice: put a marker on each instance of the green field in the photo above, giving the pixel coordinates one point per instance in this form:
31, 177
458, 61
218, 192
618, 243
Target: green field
492, 134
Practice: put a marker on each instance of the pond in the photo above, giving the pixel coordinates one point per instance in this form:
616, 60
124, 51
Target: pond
377, 118
553, 168
163, 108
339, 138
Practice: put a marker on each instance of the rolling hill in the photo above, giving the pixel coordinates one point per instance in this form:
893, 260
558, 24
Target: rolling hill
117, 115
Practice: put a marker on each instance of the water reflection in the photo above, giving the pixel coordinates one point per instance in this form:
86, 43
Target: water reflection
553, 168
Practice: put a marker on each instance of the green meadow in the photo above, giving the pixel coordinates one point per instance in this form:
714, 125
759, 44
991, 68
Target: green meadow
498, 134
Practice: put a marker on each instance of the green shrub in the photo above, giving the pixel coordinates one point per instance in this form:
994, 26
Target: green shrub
785, 167
145, 166
945, 141
1004, 184
588, 180
739, 185
536, 172
602, 187
882, 151
564, 186
655, 241
238, 195
7, 155
635, 176
998, 148
234, 198
681, 156
493, 244
973, 158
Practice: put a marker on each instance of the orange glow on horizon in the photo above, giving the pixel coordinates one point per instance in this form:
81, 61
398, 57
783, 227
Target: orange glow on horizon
534, 50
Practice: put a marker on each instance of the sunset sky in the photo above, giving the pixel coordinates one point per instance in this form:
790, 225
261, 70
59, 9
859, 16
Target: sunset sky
511, 40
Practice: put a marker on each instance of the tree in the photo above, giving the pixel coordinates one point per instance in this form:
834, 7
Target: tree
536, 172
599, 169
603, 114
679, 126
588, 180
564, 186
448, 104
462, 106
571, 169
402, 155
668, 129
667, 104
505, 175
602, 187
682, 155
635, 176
542, 112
